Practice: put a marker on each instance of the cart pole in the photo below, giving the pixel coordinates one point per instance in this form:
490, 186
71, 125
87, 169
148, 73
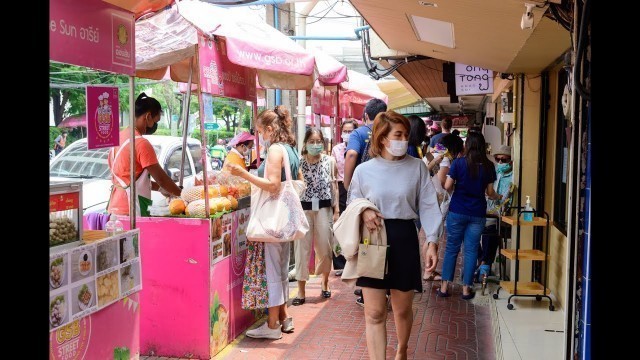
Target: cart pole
132, 153
256, 138
185, 122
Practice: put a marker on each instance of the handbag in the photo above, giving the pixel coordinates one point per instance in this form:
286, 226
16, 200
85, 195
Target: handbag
278, 217
372, 255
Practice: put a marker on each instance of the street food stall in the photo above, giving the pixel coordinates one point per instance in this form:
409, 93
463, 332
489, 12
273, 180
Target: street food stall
196, 252
94, 277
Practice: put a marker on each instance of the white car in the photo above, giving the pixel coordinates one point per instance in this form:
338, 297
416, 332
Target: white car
76, 162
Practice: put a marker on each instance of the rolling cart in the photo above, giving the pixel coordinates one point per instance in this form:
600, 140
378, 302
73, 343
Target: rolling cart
517, 287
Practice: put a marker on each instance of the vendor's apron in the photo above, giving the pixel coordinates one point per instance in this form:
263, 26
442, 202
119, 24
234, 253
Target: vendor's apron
143, 184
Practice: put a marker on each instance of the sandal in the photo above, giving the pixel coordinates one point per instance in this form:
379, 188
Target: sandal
326, 294
435, 276
297, 301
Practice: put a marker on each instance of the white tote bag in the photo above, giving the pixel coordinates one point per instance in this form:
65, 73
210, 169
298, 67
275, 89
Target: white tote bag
278, 217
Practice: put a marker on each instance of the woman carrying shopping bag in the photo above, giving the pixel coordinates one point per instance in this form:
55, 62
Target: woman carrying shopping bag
274, 128
321, 208
400, 186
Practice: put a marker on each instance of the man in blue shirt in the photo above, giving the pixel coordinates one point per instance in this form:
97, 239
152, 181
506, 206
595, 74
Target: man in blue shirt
358, 150
358, 146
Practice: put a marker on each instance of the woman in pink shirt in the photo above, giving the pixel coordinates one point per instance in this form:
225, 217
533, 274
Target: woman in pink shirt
338, 153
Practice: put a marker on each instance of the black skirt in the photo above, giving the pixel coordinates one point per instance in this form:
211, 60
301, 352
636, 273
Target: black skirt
403, 258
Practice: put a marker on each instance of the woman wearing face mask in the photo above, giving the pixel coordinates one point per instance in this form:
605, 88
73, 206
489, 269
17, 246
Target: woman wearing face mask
504, 186
410, 191
473, 176
321, 208
241, 150
274, 126
147, 114
338, 153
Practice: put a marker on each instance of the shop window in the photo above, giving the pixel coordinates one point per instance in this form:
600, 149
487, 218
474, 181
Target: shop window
561, 160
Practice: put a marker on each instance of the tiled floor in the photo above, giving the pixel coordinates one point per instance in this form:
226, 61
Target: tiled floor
328, 329
530, 331
443, 329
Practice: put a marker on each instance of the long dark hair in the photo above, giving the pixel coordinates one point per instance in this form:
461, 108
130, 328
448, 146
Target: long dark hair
146, 103
310, 132
418, 130
476, 154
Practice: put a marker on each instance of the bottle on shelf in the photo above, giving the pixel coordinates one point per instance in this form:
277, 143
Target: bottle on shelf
528, 216
114, 226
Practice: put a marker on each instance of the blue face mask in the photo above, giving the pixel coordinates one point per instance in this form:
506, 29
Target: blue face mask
314, 149
503, 168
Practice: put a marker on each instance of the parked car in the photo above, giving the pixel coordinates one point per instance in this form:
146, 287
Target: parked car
76, 162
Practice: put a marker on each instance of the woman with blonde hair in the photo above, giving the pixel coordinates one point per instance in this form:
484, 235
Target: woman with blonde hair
274, 127
412, 192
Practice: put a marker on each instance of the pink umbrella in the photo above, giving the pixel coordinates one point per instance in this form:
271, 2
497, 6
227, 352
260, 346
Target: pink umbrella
330, 71
74, 121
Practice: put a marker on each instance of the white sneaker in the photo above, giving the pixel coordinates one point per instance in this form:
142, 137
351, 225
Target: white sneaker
264, 332
287, 325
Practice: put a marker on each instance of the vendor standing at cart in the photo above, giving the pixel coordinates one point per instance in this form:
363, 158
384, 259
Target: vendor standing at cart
241, 149
147, 114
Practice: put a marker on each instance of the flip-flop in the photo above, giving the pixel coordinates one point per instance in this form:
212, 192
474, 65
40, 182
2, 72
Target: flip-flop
435, 276
297, 301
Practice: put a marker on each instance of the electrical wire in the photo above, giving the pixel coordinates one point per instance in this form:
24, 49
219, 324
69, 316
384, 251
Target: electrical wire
325, 14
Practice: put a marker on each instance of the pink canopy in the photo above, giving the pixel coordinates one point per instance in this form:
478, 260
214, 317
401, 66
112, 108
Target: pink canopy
330, 71
353, 95
170, 37
74, 121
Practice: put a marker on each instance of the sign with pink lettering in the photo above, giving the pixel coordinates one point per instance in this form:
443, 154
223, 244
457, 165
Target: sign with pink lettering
219, 76
92, 33
102, 116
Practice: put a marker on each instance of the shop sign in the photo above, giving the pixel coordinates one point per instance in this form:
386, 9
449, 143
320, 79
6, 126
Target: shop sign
103, 117
89, 278
63, 202
71, 341
219, 76
473, 80
92, 33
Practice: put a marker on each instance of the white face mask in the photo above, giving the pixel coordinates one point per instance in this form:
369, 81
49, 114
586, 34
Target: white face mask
345, 137
397, 147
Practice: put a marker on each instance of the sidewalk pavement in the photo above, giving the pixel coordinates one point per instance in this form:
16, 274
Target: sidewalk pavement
327, 329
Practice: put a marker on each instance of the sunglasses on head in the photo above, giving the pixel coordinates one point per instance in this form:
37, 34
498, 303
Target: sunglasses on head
503, 160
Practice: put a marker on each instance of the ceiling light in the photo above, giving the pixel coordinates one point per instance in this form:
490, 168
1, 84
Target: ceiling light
429, 4
433, 31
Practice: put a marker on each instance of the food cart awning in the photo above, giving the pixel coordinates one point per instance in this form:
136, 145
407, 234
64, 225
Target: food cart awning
330, 71
170, 37
140, 7
74, 121
353, 95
